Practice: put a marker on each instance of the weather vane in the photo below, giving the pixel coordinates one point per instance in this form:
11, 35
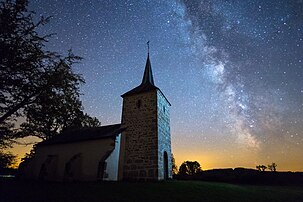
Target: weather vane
147, 47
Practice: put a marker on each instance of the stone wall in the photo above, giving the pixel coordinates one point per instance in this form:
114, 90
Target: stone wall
139, 157
164, 139
147, 136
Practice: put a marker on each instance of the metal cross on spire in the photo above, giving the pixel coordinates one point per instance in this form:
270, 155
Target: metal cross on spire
147, 47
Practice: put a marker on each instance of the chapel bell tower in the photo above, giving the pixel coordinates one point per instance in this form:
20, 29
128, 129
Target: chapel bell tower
145, 152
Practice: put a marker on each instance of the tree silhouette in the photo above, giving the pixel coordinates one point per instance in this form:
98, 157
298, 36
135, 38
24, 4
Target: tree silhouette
174, 166
189, 168
26, 159
7, 160
261, 167
272, 167
35, 83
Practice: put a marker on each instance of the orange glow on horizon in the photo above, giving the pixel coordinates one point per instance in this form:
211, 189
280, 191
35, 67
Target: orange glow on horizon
213, 158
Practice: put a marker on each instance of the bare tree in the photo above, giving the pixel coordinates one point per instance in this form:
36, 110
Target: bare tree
261, 167
272, 167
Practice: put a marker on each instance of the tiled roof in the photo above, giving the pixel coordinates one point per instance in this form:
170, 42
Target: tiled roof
84, 134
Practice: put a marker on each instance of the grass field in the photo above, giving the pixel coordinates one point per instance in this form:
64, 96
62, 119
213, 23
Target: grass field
14, 190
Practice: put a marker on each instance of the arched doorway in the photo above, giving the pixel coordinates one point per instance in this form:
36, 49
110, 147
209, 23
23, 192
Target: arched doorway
73, 168
101, 170
165, 165
102, 166
48, 168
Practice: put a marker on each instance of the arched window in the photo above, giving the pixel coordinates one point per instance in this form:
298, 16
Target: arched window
165, 165
139, 103
73, 170
48, 169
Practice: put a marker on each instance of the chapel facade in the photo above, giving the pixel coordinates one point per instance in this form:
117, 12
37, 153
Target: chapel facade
137, 149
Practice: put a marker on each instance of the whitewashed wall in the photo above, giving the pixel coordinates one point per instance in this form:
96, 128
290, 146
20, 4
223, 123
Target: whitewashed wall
112, 163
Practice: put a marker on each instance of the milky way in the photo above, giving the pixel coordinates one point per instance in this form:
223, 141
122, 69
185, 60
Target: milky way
253, 53
233, 70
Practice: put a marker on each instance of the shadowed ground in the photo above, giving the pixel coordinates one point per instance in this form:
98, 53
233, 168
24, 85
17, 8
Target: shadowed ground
15, 190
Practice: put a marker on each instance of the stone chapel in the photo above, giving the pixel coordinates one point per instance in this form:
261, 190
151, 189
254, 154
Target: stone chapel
137, 149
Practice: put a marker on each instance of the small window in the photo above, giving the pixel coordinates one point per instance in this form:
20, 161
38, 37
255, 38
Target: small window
163, 109
139, 103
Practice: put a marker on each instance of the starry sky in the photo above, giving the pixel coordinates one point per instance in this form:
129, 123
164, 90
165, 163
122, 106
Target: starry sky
232, 70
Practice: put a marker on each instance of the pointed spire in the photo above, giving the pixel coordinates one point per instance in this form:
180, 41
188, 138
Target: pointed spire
148, 74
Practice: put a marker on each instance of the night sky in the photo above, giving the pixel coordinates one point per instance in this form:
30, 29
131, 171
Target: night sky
232, 70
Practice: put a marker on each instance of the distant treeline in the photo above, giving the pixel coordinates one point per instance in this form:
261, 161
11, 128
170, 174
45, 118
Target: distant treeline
246, 176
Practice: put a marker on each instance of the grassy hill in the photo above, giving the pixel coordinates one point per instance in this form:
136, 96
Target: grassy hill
14, 190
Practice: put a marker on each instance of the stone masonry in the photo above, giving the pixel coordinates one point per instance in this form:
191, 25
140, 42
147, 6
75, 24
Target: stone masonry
164, 139
147, 136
